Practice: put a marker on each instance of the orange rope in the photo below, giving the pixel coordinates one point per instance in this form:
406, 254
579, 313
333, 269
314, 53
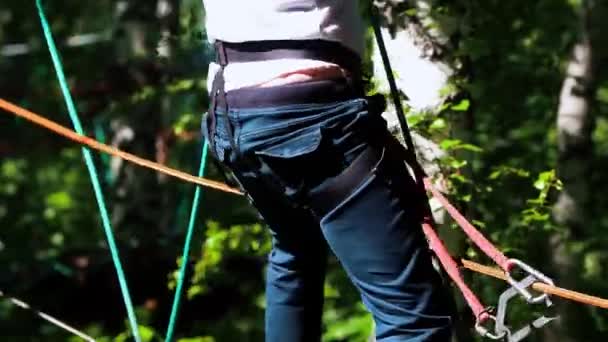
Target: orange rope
548, 289
68, 133
94, 144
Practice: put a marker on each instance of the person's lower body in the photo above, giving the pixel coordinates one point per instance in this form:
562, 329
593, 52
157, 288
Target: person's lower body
319, 167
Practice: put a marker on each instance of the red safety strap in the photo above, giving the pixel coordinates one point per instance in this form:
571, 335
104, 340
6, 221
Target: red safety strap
473, 233
453, 271
446, 260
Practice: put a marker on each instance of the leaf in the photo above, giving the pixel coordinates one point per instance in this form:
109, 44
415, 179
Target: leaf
59, 200
448, 144
195, 290
462, 106
495, 174
438, 124
146, 333
180, 85
411, 12
457, 164
331, 291
456, 144
507, 170
415, 119
197, 339
470, 147
540, 183
545, 179
478, 223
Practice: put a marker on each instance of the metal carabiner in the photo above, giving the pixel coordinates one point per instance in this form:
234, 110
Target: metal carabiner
502, 311
485, 332
523, 290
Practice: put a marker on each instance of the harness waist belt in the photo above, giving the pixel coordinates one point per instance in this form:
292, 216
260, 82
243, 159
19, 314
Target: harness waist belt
323, 50
322, 91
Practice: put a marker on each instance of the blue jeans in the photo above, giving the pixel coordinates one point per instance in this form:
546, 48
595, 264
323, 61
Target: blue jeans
286, 155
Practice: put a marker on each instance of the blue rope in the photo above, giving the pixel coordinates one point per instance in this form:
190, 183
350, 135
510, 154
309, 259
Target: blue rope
186, 252
92, 172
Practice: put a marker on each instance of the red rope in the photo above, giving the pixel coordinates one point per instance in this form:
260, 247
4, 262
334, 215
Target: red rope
473, 233
453, 271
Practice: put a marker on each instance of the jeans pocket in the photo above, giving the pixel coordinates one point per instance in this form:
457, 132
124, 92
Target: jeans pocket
301, 161
292, 147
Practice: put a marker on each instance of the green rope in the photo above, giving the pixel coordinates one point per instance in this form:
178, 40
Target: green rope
100, 135
187, 243
92, 172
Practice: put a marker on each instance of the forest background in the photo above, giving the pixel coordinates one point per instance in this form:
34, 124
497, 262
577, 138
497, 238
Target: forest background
509, 104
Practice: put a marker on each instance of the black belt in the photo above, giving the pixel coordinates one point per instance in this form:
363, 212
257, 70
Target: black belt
322, 50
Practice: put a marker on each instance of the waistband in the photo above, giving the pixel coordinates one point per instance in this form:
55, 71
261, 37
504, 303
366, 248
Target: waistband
322, 91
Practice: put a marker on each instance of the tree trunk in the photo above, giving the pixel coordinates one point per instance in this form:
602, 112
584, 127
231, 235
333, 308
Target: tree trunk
575, 123
418, 59
143, 198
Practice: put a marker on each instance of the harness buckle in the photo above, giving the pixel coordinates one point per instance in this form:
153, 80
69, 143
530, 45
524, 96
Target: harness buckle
501, 325
220, 53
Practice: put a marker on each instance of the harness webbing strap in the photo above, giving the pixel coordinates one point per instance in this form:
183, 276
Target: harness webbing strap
317, 49
473, 233
451, 267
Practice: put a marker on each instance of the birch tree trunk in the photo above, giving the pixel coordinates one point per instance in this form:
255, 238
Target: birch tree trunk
575, 123
417, 56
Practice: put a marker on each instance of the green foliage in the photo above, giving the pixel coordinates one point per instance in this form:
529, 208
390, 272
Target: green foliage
539, 209
221, 242
345, 325
496, 126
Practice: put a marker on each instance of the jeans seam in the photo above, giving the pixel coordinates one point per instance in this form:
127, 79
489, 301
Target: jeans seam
294, 108
240, 114
276, 128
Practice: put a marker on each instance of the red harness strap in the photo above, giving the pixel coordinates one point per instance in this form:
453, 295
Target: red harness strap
448, 263
453, 271
475, 235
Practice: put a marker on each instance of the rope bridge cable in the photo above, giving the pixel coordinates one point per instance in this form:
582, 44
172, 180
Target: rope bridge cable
187, 243
96, 145
69, 134
18, 302
122, 280
542, 287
